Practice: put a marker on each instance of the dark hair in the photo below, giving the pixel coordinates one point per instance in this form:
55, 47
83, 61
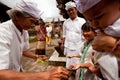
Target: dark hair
40, 21
87, 27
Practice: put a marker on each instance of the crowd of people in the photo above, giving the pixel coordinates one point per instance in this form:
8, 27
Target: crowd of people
91, 45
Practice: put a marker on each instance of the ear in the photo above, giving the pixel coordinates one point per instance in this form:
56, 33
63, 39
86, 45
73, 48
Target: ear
18, 14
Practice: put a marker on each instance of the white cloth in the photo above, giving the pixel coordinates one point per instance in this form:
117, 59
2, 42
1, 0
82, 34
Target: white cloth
29, 7
108, 65
114, 29
69, 5
72, 33
12, 45
83, 5
73, 60
49, 29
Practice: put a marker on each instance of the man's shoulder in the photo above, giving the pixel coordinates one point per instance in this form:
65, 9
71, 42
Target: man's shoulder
80, 18
6, 27
67, 19
6, 24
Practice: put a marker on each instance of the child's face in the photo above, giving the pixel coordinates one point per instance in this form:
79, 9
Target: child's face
103, 14
88, 35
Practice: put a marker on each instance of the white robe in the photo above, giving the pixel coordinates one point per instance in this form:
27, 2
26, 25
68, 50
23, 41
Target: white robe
12, 45
108, 65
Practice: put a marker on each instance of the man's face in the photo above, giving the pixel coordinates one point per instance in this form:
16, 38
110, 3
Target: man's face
28, 23
72, 12
102, 15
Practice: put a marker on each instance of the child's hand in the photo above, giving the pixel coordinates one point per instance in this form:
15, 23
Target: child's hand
93, 68
75, 66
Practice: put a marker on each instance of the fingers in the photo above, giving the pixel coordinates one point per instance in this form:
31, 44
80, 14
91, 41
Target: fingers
43, 57
72, 67
62, 73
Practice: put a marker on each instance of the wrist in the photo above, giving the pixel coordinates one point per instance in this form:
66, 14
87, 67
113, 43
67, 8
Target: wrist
116, 44
36, 56
111, 44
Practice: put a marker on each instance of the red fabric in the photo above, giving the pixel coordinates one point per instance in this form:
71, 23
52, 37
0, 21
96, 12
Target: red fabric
41, 36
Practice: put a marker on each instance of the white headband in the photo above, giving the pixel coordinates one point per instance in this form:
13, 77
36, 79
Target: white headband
83, 5
69, 5
29, 7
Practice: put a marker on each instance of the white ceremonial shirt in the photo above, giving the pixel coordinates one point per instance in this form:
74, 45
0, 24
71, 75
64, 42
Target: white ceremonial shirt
12, 45
72, 33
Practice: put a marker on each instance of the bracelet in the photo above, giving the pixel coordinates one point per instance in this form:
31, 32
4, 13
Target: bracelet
116, 45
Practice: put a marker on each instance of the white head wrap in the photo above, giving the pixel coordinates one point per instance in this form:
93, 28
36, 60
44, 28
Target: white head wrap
69, 5
29, 7
83, 5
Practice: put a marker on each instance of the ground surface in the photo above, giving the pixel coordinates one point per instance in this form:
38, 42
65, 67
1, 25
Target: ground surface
30, 65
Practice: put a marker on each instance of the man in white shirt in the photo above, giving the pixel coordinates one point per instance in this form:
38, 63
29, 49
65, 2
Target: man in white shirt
72, 36
14, 42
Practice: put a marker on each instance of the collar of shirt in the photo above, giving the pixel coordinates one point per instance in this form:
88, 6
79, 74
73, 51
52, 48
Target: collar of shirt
18, 33
74, 19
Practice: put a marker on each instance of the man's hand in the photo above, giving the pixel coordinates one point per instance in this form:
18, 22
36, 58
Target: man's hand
58, 73
103, 42
43, 57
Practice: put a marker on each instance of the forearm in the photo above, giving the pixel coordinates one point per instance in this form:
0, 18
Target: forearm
85, 65
12, 75
62, 40
77, 55
73, 55
114, 47
30, 54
